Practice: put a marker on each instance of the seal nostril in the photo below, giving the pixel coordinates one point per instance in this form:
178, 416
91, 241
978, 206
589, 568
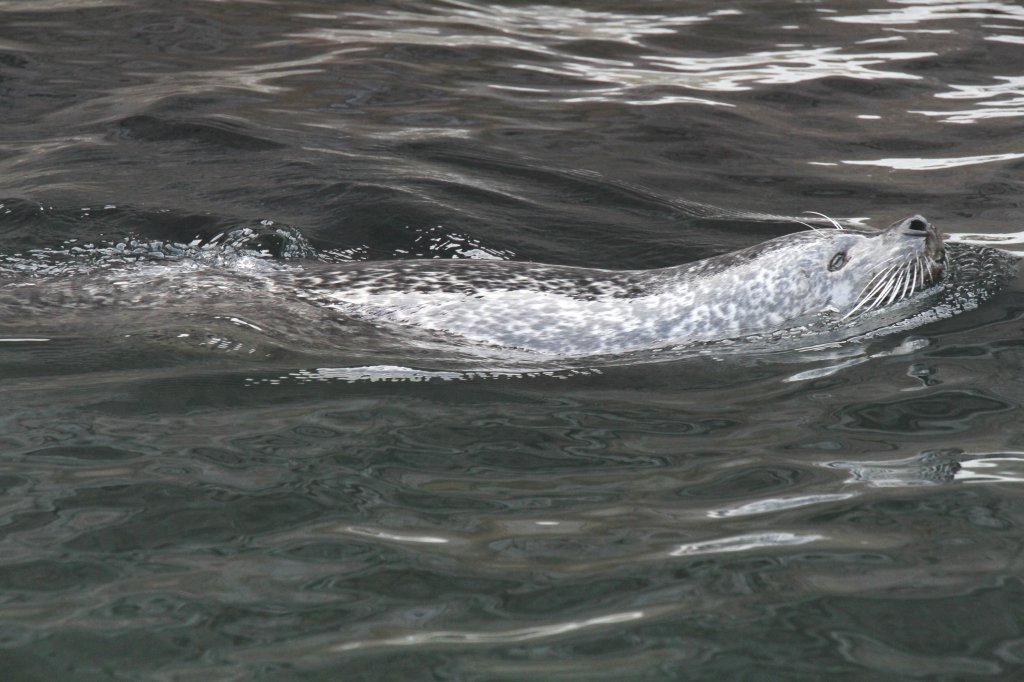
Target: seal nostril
918, 224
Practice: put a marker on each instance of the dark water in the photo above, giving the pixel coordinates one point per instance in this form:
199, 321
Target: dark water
228, 487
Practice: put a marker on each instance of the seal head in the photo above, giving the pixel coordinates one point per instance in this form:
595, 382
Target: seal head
906, 258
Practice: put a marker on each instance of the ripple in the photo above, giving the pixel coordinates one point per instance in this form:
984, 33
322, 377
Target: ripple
673, 517
549, 39
919, 11
395, 537
927, 469
776, 504
1000, 467
716, 74
932, 412
920, 164
1003, 99
526, 28
746, 543
883, 657
785, 67
498, 637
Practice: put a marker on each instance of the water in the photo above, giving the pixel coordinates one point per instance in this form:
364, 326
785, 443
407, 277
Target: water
232, 486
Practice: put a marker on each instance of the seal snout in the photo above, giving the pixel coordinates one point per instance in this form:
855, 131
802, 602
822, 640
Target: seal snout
919, 226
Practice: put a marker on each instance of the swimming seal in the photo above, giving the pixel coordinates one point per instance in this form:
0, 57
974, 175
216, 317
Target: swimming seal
562, 310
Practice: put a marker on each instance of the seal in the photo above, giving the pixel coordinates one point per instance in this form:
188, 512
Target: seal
571, 311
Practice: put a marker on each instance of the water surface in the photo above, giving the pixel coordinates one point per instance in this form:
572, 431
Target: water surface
231, 487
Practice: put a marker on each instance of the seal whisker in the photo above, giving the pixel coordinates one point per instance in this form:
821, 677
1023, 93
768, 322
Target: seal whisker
905, 290
927, 272
903, 264
881, 266
866, 300
908, 271
879, 287
887, 291
873, 303
834, 222
875, 280
890, 259
910, 286
886, 294
874, 297
894, 292
810, 227
900, 291
871, 282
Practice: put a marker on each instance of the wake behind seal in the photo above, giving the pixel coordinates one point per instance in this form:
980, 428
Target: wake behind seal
574, 311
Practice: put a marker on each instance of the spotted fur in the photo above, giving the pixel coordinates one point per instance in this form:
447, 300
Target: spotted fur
582, 311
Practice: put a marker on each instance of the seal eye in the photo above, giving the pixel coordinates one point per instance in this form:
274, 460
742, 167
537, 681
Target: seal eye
838, 261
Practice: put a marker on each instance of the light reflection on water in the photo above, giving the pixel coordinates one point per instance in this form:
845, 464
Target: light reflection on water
1003, 467
506, 637
1004, 99
533, 24
918, 11
919, 164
